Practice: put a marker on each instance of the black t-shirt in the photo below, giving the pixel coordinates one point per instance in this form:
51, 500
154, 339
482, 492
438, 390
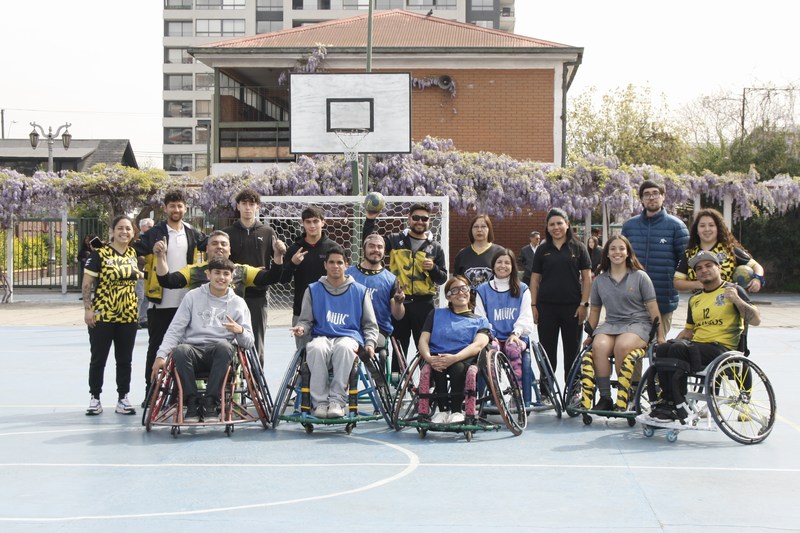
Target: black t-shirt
477, 268
560, 270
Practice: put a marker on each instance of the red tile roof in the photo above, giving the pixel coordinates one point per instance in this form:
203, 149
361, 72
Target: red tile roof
391, 29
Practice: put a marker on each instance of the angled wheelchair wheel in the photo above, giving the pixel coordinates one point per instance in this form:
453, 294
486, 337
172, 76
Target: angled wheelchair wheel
407, 398
548, 376
163, 394
573, 392
742, 401
506, 391
643, 402
287, 394
257, 390
380, 393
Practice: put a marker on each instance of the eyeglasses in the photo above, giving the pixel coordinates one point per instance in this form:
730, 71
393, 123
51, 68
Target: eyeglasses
420, 218
464, 289
480, 227
650, 195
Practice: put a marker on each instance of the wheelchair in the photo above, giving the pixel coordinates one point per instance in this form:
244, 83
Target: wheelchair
245, 397
731, 394
542, 393
492, 389
580, 392
369, 397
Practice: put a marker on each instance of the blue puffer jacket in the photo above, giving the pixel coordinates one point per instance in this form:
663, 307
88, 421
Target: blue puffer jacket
659, 242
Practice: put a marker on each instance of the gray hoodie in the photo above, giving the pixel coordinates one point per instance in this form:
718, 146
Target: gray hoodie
369, 325
200, 318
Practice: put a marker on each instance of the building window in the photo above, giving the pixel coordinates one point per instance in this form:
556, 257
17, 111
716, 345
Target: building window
177, 55
220, 4
178, 108
201, 135
200, 161
178, 28
178, 162
323, 4
177, 4
204, 81
389, 4
269, 5
220, 28
202, 108
268, 26
429, 4
177, 135
355, 4
484, 23
177, 82
483, 5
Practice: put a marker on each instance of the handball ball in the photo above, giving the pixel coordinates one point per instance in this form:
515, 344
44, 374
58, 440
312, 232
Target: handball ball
374, 202
742, 275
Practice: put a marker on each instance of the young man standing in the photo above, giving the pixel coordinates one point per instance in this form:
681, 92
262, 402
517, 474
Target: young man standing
418, 262
526, 256
337, 312
253, 243
305, 262
659, 240
201, 337
183, 242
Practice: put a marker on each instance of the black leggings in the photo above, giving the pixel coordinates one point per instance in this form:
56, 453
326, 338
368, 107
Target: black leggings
697, 355
555, 319
158, 321
458, 379
101, 336
411, 324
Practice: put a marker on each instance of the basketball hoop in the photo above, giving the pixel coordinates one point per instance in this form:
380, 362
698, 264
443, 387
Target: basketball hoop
350, 139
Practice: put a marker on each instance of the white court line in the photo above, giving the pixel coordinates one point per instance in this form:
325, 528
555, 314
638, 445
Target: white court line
411, 466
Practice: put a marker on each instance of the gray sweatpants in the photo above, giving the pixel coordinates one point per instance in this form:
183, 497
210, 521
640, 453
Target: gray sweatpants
330, 353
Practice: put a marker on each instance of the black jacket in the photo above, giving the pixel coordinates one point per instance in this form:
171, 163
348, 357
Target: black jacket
310, 270
251, 246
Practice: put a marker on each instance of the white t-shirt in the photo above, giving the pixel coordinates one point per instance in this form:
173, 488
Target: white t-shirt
177, 248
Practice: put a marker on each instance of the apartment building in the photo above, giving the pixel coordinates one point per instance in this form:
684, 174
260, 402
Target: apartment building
189, 85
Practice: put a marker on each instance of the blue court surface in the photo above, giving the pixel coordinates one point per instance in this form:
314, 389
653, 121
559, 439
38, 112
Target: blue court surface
64, 471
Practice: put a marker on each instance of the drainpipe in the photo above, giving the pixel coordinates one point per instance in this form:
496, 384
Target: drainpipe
567, 78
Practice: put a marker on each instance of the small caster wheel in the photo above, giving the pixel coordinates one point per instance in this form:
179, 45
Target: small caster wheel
587, 420
228, 429
422, 432
648, 431
349, 428
468, 435
672, 436
631, 422
175, 430
309, 428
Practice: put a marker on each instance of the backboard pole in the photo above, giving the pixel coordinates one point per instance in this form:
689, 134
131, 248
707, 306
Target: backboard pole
356, 181
365, 179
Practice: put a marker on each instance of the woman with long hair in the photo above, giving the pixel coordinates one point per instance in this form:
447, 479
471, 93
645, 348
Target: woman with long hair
560, 286
112, 314
506, 304
595, 252
474, 261
451, 339
710, 233
625, 290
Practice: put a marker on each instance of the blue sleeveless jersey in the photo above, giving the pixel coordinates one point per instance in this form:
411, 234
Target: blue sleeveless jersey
502, 309
338, 315
380, 288
452, 332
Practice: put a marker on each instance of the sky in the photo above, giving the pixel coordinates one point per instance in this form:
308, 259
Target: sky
97, 63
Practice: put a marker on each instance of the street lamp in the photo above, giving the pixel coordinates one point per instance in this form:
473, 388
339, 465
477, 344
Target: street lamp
66, 138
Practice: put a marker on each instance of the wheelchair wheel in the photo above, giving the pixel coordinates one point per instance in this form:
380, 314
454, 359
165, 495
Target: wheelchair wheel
407, 397
547, 375
381, 396
742, 401
151, 390
643, 403
162, 392
506, 392
573, 392
287, 395
257, 387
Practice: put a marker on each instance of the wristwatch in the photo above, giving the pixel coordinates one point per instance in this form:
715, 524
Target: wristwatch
585, 304
761, 279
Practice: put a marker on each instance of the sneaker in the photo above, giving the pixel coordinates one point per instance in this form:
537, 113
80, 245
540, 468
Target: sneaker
95, 408
192, 415
605, 403
663, 412
210, 408
441, 417
124, 406
456, 418
335, 410
320, 411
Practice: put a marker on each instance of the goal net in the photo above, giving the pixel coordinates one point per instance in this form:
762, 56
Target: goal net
344, 219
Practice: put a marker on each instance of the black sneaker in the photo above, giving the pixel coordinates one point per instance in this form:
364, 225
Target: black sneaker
192, 411
663, 411
605, 403
210, 408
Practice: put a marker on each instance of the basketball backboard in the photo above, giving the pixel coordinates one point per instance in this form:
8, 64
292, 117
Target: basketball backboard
321, 104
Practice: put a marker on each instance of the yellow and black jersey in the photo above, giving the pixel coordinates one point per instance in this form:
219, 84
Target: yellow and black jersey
116, 274
729, 258
714, 318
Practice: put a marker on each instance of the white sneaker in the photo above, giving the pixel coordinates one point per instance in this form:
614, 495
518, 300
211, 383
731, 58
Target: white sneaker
95, 408
336, 410
441, 417
320, 411
456, 418
124, 406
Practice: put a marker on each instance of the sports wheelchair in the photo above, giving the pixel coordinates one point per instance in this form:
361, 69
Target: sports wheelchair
580, 392
492, 389
368, 386
244, 397
540, 393
732, 394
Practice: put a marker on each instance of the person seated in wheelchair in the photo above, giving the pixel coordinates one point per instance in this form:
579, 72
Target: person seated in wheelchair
200, 338
626, 291
338, 312
506, 304
714, 325
382, 286
451, 340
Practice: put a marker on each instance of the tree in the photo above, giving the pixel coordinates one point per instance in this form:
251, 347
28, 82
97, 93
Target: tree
627, 125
